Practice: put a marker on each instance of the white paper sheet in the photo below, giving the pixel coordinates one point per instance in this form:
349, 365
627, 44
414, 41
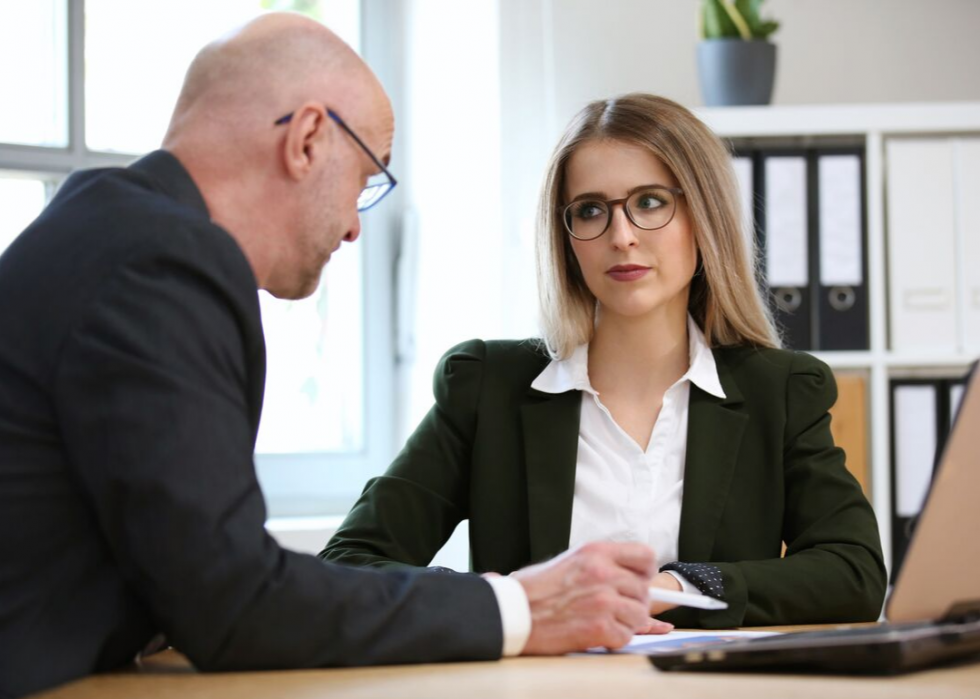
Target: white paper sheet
676, 640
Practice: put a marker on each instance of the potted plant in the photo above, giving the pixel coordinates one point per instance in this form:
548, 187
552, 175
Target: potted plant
736, 60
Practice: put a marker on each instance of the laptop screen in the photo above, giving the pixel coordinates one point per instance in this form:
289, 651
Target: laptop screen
941, 572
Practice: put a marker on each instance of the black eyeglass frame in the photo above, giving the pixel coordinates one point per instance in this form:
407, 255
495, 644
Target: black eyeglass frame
610, 203
388, 186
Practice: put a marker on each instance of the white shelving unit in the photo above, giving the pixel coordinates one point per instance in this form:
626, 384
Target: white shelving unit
871, 124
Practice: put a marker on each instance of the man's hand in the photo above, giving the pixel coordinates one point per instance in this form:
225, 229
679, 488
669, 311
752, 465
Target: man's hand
595, 595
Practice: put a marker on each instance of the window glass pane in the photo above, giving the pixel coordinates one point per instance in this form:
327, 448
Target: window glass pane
136, 54
33, 78
315, 365
21, 199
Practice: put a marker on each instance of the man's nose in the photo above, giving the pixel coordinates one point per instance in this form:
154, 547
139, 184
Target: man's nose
355, 232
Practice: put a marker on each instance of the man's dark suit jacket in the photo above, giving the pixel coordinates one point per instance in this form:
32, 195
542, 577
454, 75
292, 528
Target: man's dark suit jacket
761, 469
132, 367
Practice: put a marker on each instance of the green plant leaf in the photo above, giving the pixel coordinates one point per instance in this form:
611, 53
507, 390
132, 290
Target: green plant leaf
749, 9
768, 27
716, 22
743, 28
751, 12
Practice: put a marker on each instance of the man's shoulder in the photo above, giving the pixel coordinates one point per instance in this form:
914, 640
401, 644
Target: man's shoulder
108, 233
111, 217
113, 199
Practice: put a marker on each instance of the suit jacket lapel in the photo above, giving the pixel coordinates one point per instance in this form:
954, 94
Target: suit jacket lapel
551, 423
714, 434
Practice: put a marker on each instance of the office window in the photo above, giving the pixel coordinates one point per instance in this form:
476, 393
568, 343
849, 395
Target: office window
34, 78
21, 199
94, 85
136, 54
313, 400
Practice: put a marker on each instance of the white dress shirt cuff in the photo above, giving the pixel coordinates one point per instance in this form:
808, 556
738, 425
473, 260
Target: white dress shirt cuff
515, 613
686, 586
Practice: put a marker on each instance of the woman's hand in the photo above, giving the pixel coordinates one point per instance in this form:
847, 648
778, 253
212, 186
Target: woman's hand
664, 581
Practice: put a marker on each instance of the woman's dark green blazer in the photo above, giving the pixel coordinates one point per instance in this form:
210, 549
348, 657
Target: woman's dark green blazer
761, 469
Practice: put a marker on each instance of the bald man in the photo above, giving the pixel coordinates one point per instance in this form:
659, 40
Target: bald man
132, 368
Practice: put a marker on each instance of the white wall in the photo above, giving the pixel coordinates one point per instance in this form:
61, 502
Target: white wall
877, 51
829, 51
452, 185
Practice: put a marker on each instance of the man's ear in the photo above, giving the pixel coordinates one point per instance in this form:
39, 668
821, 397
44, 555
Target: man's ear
307, 135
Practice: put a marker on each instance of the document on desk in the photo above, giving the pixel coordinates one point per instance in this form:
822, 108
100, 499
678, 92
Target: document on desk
678, 640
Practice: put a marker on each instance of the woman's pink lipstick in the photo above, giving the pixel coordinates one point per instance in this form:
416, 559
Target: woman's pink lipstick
627, 273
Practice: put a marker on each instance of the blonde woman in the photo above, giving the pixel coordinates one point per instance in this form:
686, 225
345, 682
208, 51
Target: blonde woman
659, 407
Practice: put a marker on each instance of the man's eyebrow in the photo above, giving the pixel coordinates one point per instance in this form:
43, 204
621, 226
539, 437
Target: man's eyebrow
602, 195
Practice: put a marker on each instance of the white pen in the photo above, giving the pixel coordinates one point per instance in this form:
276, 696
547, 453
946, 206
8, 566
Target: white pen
686, 599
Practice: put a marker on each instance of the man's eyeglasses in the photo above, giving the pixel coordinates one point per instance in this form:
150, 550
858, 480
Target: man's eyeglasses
379, 185
648, 208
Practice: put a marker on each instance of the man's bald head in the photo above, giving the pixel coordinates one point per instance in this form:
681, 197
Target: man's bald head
286, 191
267, 67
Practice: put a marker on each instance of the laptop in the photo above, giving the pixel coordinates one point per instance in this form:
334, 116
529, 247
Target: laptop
934, 610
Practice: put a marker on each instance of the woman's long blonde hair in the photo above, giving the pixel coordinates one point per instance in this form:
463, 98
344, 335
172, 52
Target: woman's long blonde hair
725, 300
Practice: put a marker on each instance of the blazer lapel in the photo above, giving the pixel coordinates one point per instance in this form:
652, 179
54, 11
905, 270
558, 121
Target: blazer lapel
551, 423
714, 434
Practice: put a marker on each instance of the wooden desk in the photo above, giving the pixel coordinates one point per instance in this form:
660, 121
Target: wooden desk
168, 675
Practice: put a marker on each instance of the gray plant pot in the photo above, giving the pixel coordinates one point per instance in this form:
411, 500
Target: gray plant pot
734, 71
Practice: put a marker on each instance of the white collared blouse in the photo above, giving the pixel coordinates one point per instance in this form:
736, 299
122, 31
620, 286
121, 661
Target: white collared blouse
623, 492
